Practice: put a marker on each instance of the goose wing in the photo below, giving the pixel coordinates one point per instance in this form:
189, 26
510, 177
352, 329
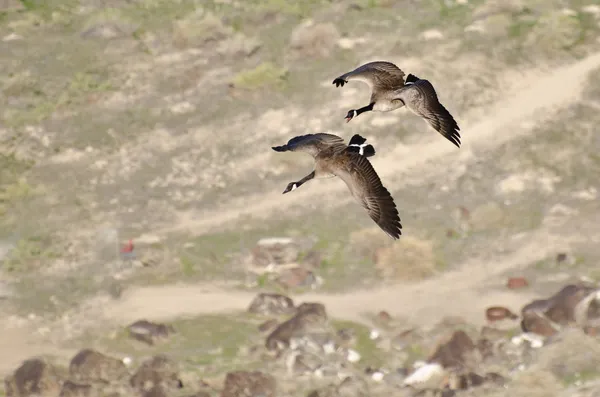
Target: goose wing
378, 75
312, 143
420, 97
366, 187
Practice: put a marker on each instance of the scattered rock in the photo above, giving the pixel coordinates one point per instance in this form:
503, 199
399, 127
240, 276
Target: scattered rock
271, 304
383, 318
268, 325
149, 332
90, 365
275, 251
406, 338
546, 316
33, 377
538, 324
310, 318
158, 371
517, 282
249, 384
314, 39
498, 313
299, 363
72, 389
346, 337
571, 354
353, 386
426, 376
156, 391
465, 381
297, 277
456, 353
312, 260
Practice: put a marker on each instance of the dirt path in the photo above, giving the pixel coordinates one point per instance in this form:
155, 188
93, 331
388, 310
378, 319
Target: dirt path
465, 291
534, 99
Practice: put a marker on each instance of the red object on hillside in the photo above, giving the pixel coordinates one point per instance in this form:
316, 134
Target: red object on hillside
517, 282
127, 251
127, 247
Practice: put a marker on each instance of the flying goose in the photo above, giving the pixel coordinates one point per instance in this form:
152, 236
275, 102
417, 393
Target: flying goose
349, 162
390, 91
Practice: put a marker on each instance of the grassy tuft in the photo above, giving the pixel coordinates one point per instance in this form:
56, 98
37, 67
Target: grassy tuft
264, 75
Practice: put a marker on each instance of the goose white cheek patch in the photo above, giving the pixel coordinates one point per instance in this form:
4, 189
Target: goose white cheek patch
294, 187
361, 148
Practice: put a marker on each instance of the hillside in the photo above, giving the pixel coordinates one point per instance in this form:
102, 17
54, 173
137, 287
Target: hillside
153, 121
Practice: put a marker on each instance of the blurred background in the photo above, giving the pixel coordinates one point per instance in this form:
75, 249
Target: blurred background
137, 181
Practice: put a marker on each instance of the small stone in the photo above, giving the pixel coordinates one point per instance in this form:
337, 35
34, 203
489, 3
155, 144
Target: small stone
149, 332
517, 282
297, 277
157, 371
497, 313
268, 325
352, 356
275, 250
374, 334
456, 352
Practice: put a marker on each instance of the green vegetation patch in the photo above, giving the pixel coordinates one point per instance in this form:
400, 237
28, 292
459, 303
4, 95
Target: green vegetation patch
370, 354
211, 343
266, 74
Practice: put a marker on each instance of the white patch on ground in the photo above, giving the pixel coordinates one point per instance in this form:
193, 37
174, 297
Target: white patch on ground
591, 9
182, 107
68, 155
590, 193
432, 34
348, 43
530, 180
477, 26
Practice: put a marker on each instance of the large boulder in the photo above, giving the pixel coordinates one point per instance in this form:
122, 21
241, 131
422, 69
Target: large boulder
157, 371
271, 304
249, 384
90, 366
34, 377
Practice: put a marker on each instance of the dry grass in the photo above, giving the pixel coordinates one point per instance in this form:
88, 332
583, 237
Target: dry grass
198, 28
409, 259
314, 39
575, 356
266, 74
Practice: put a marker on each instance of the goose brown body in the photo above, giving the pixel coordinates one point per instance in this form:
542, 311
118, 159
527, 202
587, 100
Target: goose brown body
334, 158
391, 89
